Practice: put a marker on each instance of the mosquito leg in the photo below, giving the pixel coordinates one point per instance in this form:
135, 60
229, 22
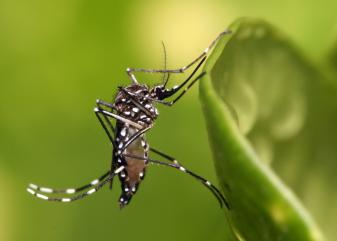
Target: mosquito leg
111, 131
187, 88
170, 92
101, 103
103, 124
68, 190
80, 196
118, 117
167, 157
205, 182
130, 71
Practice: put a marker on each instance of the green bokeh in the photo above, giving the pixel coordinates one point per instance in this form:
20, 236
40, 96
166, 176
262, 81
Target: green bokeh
57, 57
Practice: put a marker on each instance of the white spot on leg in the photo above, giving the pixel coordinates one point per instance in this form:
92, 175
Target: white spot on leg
65, 200
118, 170
123, 132
120, 145
208, 183
70, 191
91, 191
30, 191
182, 169
33, 186
46, 189
94, 182
42, 196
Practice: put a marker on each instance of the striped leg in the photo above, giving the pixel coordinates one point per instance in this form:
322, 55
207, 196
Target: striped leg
37, 188
130, 71
205, 182
77, 197
167, 157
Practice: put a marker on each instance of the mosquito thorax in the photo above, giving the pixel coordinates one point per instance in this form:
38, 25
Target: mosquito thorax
135, 102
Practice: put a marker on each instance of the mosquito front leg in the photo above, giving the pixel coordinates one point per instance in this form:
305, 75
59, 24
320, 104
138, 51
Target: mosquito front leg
185, 90
130, 71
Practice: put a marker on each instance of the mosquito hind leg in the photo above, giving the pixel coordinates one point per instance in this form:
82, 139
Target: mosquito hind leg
216, 192
68, 190
80, 196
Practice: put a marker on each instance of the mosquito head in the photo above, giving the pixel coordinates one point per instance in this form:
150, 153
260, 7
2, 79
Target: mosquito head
159, 92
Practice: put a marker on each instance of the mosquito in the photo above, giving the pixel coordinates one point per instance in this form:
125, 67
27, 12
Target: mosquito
126, 121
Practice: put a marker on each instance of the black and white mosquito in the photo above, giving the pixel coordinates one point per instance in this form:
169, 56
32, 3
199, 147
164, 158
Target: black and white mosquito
125, 122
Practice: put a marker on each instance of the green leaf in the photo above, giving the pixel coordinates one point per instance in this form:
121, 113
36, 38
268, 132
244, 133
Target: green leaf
255, 97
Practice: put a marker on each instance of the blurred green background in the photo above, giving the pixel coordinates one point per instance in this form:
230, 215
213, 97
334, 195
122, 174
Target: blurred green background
57, 57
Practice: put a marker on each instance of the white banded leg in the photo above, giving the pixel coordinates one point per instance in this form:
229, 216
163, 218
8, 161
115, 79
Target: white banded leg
205, 182
40, 189
80, 196
167, 157
130, 71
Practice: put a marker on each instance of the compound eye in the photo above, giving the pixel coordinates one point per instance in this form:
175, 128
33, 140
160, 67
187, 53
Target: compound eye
159, 91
